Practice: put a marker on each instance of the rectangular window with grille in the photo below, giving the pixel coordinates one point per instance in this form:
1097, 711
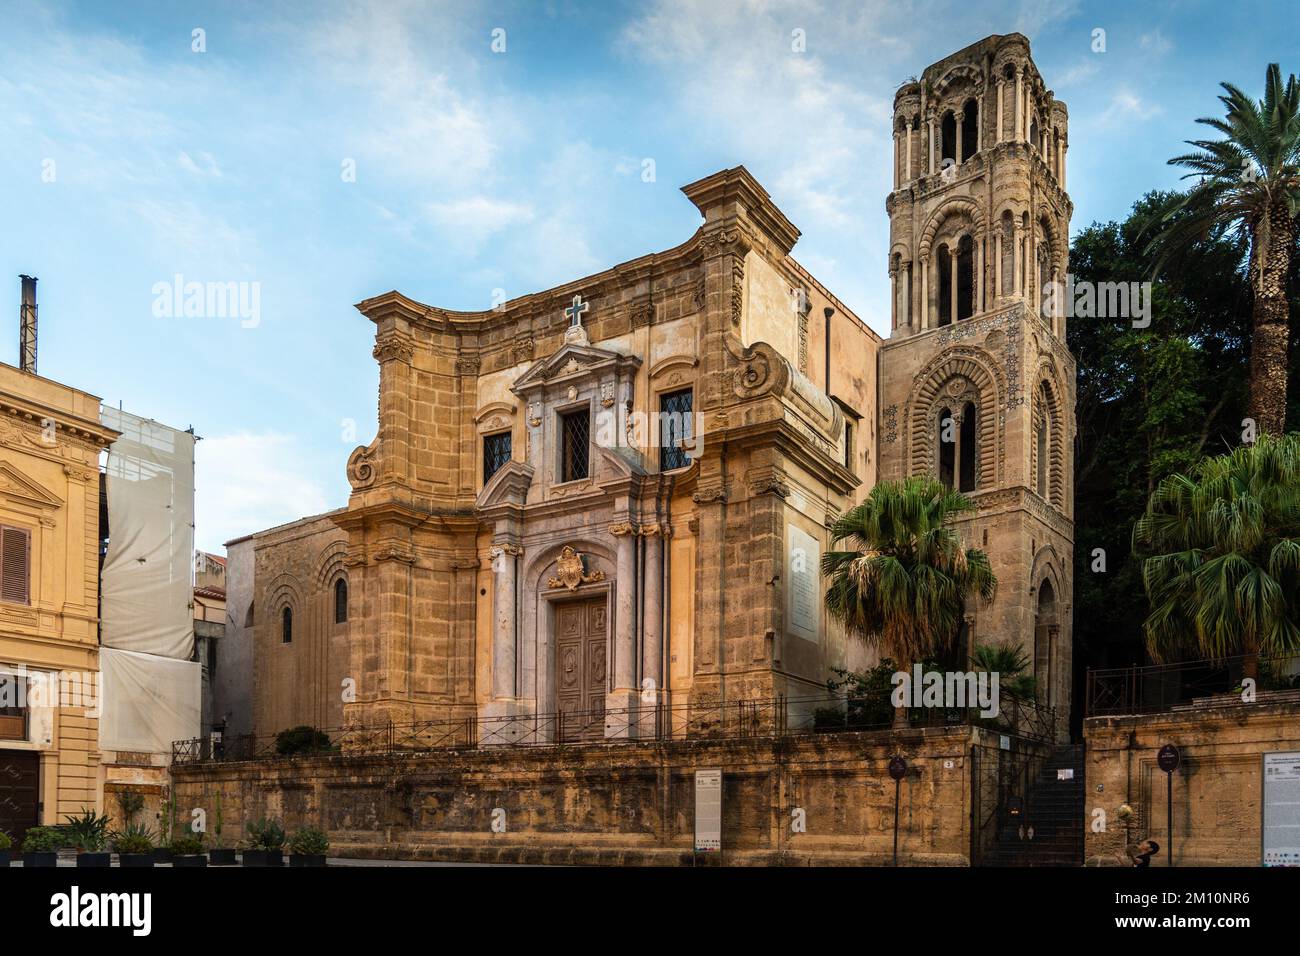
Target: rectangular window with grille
675, 426
496, 452
575, 432
15, 565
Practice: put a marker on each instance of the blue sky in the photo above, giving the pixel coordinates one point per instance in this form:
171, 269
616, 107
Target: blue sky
478, 171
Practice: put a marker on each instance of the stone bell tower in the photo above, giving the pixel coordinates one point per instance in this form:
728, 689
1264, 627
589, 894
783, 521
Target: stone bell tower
977, 384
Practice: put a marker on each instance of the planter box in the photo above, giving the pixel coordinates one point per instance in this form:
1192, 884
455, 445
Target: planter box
43, 858
196, 859
222, 857
99, 860
263, 858
307, 859
4, 859
162, 855
135, 859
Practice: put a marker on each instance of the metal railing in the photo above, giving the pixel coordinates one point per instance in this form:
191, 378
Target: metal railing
772, 717
1191, 685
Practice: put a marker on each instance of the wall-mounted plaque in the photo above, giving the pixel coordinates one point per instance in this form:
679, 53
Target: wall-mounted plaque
803, 557
708, 810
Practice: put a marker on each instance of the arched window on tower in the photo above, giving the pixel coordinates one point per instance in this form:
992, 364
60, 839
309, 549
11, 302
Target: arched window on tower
944, 256
1033, 136
969, 128
286, 626
948, 137
947, 446
1045, 632
965, 278
341, 601
1043, 469
966, 454
958, 452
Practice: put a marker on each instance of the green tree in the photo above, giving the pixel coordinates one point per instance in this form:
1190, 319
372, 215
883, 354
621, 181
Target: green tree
1249, 184
903, 588
1149, 403
1220, 550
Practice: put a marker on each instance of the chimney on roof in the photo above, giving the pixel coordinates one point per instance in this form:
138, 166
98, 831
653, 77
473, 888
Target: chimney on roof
27, 326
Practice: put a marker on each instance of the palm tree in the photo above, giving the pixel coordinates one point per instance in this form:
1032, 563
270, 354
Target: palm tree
1249, 186
903, 589
1220, 550
1011, 663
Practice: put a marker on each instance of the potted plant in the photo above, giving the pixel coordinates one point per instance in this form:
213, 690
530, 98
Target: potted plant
134, 846
187, 850
41, 846
265, 843
219, 855
130, 803
167, 827
88, 834
5, 844
308, 847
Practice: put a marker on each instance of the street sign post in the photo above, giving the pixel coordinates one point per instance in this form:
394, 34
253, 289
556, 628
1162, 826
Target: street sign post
1167, 759
897, 770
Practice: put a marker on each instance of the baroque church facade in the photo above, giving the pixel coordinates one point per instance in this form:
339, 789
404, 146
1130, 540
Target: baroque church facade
611, 497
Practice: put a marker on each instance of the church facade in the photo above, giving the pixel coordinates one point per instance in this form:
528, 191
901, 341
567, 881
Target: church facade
609, 499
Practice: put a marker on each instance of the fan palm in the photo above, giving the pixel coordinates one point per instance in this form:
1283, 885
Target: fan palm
904, 586
1220, 550
1249, 185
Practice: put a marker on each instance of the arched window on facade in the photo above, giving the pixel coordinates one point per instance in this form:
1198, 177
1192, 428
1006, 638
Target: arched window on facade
948, 137
286, 626
958, 451
341, 601
1033, 136
969, 129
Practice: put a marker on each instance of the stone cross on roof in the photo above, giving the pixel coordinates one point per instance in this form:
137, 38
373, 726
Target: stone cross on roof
575, 332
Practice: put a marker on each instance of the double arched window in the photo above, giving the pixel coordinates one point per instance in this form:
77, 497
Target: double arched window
958, 452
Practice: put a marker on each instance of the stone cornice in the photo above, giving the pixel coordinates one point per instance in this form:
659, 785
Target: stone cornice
80, 430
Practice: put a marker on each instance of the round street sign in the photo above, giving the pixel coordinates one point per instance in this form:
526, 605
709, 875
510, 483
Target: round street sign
897, 768
1167, 758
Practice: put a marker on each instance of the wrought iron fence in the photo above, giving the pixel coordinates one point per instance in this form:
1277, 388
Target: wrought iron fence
1190, 685
774, 717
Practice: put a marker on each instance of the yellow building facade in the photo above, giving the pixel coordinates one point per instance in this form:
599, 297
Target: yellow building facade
50, 443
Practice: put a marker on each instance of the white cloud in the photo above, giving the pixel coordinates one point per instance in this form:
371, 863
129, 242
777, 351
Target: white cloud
1127, 105
201, 164
1155, 42
469, 222
249, 481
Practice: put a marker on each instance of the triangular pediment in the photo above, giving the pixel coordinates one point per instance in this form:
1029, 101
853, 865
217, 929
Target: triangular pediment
18, 486
572, 360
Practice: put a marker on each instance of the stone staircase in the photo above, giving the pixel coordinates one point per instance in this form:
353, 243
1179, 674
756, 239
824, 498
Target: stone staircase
1046, 829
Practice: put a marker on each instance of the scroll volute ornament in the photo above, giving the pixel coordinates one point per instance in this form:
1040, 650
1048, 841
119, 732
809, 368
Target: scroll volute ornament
361, 467
570, 571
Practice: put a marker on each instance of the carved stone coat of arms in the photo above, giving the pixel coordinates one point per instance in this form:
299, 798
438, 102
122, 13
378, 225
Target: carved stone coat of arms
571, 571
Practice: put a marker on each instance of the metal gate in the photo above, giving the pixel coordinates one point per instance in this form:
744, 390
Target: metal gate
1026, 805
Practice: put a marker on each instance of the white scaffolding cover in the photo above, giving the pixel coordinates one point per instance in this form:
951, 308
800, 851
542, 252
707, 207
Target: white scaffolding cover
148, 701
146, 584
